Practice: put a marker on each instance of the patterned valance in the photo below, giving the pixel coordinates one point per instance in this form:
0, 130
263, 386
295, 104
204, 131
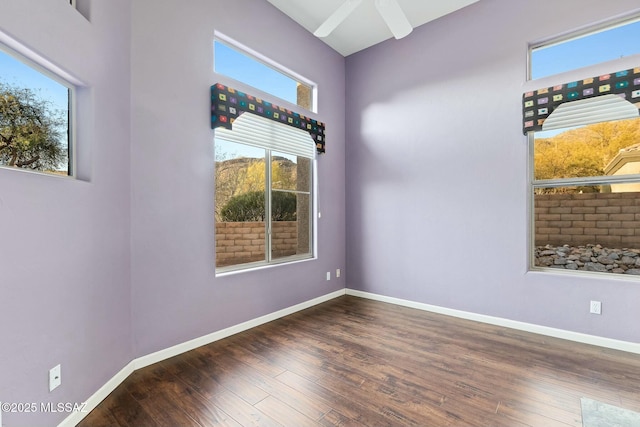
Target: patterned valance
227, 104
539, 104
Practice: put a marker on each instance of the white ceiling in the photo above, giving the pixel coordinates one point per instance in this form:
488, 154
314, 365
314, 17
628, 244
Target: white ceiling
364, 27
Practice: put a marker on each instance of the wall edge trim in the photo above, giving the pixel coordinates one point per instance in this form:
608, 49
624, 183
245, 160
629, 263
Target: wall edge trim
92, 402
167, 353
626, 346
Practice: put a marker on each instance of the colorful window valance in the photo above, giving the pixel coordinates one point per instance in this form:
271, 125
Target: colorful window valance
227, 104
539, 104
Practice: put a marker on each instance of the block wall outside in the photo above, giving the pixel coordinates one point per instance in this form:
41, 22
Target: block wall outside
243, 242
609, 219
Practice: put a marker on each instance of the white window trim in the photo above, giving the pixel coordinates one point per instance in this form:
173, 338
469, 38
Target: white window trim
39, 62
564, 182
251, 53
605, 67
55, 73
248, 122
627, 18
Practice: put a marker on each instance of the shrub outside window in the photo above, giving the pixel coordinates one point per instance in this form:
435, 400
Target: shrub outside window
264, 189
263, 196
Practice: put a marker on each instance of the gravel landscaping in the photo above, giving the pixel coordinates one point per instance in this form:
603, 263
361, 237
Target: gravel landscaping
589, 258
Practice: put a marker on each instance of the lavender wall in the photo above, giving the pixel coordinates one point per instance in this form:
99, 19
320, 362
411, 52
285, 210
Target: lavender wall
118, 264
434, 133
64, 250
176, 295
145, 195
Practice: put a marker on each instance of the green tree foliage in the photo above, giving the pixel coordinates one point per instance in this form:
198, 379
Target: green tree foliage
250, 207
236, 176
244, 207
583, 152
230, 174
30, 130
254, 178
283, 206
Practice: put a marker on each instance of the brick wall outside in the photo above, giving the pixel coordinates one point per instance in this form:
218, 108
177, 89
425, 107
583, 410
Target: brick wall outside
243, 242
609, 219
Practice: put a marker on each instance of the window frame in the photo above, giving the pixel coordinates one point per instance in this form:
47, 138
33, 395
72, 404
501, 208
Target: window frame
576, 34
269, 261
71, 110
532, 183
264, 60
571, 182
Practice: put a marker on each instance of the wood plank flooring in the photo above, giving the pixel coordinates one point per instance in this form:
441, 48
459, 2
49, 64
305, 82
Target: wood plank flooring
356, 362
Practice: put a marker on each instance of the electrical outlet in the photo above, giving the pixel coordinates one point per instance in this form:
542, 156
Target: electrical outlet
55, 378
595, 307
328, 275
337, 272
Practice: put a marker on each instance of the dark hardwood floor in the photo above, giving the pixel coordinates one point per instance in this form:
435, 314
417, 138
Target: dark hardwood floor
356, 362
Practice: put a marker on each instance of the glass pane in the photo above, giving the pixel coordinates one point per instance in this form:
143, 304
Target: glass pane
290, 224
34, 119
239, 203
587, 50
609, 148
290, 172
596, 230
237, 65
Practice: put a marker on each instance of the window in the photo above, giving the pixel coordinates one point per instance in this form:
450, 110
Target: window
264, 185
586, 188
585, 162
584, 49
35, 117
262, 74
263, 194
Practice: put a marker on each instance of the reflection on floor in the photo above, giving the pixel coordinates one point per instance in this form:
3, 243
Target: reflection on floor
598, 414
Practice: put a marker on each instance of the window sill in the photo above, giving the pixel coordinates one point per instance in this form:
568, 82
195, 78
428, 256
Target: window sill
258, 266
582, 274
39, 173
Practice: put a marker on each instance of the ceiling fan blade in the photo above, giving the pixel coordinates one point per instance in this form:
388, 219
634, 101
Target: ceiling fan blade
336, 18
394, 17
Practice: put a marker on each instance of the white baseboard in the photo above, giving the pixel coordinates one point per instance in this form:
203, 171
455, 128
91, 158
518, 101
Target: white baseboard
627, 346
75, 417
167, 353
141, 362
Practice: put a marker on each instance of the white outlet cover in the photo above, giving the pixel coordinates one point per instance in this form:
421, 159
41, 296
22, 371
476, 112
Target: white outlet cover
55, 378
596, 307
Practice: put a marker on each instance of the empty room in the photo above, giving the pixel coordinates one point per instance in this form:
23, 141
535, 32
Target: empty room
336, 213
